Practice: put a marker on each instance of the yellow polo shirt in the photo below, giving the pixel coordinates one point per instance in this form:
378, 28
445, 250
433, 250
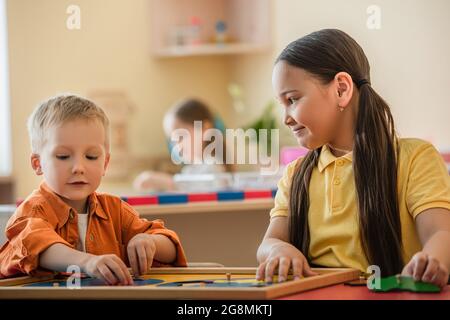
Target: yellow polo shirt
423, 183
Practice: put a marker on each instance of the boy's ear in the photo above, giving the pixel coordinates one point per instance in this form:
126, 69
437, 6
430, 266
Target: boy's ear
36, 163
344, 88
107, 157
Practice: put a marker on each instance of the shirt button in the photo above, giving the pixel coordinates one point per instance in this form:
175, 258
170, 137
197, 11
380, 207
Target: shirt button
337, 181
91, 237
340, 162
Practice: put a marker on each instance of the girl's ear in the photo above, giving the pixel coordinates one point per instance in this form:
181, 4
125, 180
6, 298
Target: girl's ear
344, 89
36, 163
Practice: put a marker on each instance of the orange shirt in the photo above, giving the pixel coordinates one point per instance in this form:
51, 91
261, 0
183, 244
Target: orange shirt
43, 219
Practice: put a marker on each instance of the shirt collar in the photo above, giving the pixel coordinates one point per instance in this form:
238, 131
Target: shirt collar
327, 157
95, 208
63, 210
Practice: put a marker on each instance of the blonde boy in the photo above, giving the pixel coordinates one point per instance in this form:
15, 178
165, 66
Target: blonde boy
65, 222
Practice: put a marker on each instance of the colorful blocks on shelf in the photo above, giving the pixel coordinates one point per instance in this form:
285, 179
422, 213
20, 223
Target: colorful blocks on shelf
137, 201
172, 198
230, 195
180, 198
198, 197
257, 194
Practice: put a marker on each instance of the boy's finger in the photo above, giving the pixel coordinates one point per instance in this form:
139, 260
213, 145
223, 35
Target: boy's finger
106, 274
133, 260
142, 258
115, 267
123, 267
150, 255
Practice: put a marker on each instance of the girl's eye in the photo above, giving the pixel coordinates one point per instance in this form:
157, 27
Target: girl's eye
92, 157
62, 157
292, 100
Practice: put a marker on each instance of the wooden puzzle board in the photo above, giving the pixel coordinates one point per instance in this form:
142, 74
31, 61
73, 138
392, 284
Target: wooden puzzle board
176, 283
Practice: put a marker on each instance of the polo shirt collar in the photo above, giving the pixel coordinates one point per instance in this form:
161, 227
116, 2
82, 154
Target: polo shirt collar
327, 157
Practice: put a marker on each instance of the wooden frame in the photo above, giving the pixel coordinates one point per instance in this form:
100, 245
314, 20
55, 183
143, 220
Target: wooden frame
11, 289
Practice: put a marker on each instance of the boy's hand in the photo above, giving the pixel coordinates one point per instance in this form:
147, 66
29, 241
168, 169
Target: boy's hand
423, 267
283, 256
110, 268
141, 250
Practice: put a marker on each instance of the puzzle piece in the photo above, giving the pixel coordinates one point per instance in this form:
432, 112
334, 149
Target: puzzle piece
402, 283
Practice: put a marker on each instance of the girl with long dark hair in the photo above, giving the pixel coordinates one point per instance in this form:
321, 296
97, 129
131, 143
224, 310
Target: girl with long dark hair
362, 196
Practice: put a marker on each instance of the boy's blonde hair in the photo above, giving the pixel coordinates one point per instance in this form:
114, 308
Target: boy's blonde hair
58, 110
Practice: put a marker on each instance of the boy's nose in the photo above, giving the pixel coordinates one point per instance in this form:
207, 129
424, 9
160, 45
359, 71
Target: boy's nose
78, 168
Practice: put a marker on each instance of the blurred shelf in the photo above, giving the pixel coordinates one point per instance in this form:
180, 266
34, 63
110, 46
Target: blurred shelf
210, 27
211, 49
209, 207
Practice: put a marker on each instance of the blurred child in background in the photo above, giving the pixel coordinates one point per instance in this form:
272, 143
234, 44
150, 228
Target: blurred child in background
182, 116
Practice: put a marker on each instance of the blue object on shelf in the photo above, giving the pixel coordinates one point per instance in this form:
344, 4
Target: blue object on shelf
230, 195
221, 26
221, 29
172, 198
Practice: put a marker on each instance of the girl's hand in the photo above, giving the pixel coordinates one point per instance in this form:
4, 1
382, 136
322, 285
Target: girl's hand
283, 256
423, 267
141, 250
109, 268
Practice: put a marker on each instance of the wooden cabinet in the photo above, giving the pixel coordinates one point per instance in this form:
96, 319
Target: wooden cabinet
206, 27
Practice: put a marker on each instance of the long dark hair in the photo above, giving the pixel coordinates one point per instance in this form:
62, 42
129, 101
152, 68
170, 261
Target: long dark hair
375, 150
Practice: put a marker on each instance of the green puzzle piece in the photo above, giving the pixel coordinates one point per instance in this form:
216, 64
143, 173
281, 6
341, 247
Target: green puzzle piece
401, 283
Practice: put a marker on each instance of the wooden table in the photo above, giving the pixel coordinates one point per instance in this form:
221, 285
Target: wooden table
345, 292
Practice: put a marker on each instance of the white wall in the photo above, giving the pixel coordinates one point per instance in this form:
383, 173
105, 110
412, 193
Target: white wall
409, 56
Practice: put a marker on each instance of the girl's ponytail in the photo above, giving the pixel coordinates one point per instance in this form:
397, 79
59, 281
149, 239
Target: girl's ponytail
375, 170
